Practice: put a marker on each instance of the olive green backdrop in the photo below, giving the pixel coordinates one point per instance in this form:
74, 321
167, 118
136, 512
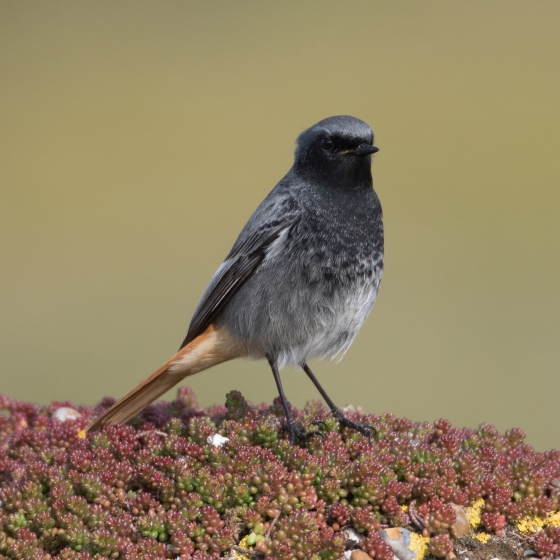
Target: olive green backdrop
137, 137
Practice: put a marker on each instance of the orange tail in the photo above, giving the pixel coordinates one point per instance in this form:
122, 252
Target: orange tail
212, 347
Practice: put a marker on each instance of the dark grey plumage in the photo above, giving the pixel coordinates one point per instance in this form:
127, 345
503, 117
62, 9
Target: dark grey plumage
304, 272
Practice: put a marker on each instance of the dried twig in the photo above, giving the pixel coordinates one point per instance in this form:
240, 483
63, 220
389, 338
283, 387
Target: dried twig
415, 519
272, 525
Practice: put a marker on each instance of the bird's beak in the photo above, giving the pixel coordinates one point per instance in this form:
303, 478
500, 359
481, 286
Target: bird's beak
361, 150
364, 150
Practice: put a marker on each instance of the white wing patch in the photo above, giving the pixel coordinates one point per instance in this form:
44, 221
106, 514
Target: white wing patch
276, 248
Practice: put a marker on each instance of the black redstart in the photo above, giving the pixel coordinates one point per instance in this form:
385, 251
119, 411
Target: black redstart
301, 278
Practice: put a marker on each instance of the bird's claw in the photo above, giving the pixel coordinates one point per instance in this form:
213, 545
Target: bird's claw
366, 429
298, 435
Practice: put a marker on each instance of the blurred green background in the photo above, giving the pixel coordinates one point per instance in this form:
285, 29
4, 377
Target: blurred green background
138, 137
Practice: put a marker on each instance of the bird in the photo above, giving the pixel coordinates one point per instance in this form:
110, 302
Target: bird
300, 280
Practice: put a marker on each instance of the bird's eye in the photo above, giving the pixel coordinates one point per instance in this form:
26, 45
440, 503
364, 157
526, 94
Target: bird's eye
327, 144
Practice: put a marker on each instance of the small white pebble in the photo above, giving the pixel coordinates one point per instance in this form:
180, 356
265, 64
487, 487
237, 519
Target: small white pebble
66, 413
217, 440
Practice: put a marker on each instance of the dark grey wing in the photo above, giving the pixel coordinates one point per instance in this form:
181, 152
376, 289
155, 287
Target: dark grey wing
271, 218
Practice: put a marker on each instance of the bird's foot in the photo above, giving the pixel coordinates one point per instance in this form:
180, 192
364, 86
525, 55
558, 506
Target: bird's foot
320, 423
297, 434
366, 429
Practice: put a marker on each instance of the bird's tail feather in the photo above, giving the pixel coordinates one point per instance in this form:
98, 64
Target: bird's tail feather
212, 347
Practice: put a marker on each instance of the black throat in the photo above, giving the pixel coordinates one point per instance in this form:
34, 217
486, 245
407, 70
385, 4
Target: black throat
348, 173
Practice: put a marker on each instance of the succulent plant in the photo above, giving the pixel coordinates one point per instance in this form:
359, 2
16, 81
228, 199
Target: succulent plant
441, 546
180, 480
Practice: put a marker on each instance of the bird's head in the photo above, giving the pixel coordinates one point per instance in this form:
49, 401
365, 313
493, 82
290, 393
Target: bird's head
337, 148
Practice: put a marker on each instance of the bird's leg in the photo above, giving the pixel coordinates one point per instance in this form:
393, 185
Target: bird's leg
297, 434
365, 429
